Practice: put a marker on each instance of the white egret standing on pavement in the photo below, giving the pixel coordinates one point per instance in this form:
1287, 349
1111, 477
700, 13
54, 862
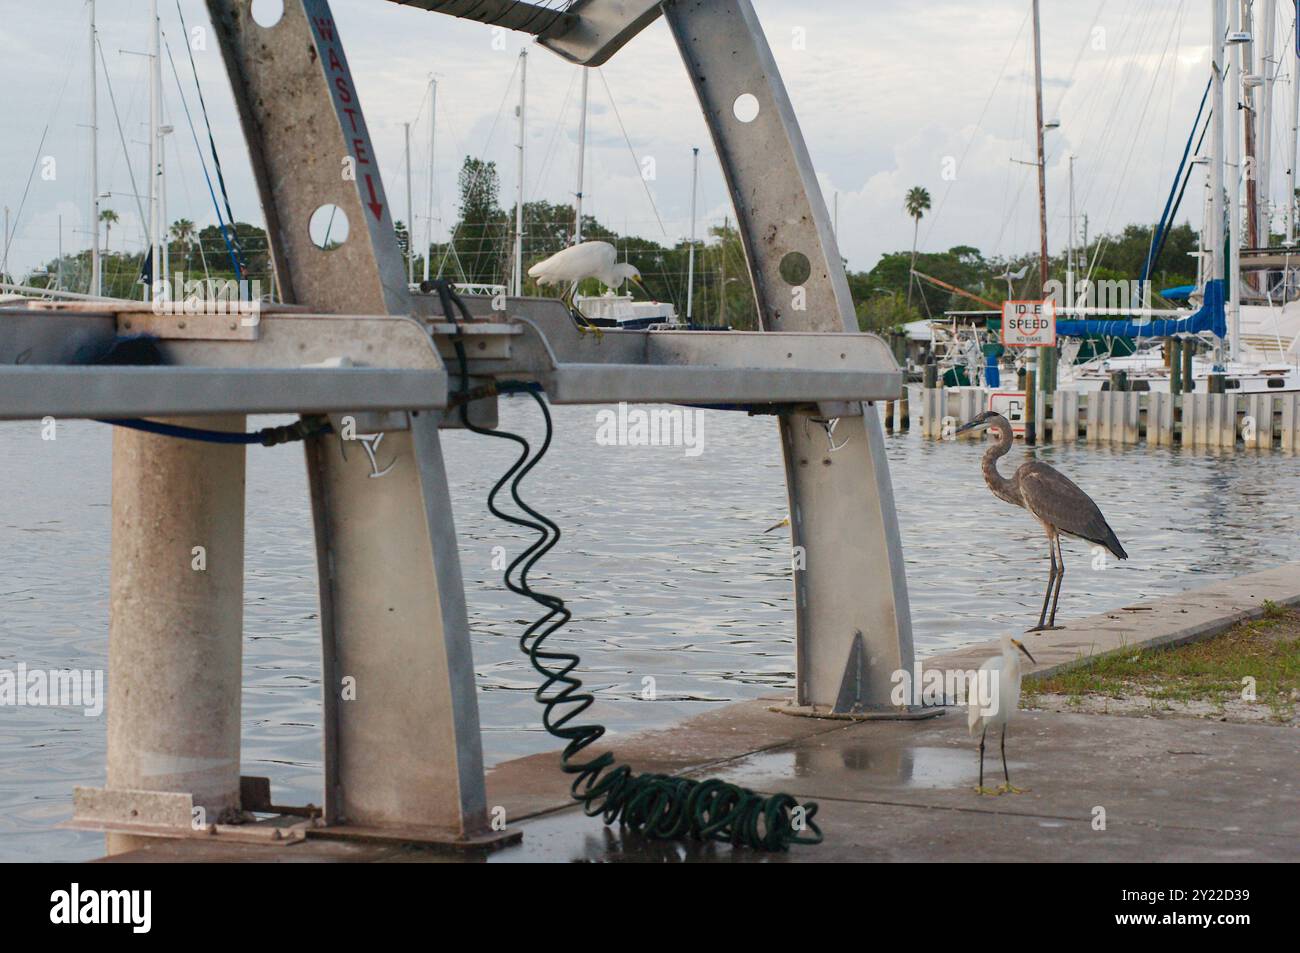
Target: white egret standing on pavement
571, 265
993, 707
1051, 498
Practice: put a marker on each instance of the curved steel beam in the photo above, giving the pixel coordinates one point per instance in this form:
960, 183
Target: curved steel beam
842, 516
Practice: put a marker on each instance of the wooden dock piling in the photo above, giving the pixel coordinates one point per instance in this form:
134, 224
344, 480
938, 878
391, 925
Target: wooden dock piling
1219, 421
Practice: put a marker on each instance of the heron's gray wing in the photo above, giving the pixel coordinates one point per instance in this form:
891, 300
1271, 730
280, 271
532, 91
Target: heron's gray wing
1052, 496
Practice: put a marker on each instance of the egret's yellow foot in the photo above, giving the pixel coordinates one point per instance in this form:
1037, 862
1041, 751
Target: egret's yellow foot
1010, 789
585, 327
989, 791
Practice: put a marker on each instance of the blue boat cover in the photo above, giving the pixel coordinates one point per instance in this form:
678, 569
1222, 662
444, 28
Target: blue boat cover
1210, 317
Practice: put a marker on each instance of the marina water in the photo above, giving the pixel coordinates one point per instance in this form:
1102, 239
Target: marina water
681, 601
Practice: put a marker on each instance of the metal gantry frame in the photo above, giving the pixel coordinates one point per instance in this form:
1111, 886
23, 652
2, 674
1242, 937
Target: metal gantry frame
403, 755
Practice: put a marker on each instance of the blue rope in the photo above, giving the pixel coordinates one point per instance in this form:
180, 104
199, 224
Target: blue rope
1156, 236
234, 259
267, 437
233, 237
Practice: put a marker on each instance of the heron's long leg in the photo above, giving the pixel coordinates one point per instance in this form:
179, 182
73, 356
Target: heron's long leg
982, 735
1005, 775
1060, 574
1051, 578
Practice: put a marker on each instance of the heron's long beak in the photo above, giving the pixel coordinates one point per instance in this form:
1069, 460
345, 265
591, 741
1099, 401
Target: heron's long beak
1022, 648
640, 284
969, 425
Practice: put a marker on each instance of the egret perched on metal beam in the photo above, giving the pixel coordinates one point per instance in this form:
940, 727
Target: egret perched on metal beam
597, 260
992, 699
1052, 499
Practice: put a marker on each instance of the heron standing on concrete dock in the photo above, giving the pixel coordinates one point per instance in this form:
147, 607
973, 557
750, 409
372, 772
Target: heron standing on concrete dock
1052, 499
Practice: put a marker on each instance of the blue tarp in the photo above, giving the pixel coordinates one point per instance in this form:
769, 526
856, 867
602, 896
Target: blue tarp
1179, 293
992, 376
1210, 318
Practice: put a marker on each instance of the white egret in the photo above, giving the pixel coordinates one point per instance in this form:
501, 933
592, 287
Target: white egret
993, 699
571, 265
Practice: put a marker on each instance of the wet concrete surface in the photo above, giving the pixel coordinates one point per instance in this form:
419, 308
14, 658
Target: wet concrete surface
1171, 790
1094, 787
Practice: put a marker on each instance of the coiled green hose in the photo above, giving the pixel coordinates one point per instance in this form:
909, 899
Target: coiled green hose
658, 806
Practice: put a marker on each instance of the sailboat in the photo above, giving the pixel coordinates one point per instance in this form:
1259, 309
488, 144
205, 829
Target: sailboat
1243, 319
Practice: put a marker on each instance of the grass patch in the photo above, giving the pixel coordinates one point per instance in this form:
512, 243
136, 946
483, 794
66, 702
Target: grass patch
1210, 671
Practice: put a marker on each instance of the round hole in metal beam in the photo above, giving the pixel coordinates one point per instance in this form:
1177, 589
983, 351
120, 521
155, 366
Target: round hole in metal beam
267, 13
745, 107
328, 227
795, 268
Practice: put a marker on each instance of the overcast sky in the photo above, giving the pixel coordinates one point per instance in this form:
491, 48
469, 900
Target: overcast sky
890, 94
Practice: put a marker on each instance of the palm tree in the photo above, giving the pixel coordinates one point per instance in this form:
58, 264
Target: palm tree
182, 232
109, 218
917, 204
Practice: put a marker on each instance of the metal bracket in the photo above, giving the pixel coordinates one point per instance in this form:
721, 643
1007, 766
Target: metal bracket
236, 326
170, 814
597, 29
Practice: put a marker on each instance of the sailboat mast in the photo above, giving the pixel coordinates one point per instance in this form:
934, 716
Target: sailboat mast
1295, 133
428, 220
519, 202
1246, 89
410, 209
690, 259
582, 156
1295, 136
1069, 254
96, 282
1233, 135
155, 152
1043, 262
1038, 361
1267, 61
1214, 237
722, 272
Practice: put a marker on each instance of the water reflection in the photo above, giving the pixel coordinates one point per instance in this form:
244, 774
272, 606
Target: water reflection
673, 583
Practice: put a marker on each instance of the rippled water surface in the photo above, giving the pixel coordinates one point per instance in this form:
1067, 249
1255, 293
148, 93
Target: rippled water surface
664, 562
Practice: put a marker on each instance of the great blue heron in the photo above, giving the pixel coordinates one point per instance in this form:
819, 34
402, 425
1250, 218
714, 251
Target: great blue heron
993, 706
1052, 499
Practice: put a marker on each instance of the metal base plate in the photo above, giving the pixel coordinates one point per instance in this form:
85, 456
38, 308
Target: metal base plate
418, 837
908, 713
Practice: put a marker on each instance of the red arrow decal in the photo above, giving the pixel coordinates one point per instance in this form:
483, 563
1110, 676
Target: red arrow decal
375, 205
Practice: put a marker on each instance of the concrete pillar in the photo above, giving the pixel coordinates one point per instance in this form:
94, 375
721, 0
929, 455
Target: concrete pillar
176, 614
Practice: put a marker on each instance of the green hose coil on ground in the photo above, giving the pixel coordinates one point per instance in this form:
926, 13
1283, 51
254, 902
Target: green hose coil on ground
657, 806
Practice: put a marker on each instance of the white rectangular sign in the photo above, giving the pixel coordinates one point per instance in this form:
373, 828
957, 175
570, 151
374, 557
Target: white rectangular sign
1029, 323
1011, 405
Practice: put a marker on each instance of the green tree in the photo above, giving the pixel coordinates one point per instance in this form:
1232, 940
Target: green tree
109, 218
183, 233
481, 233
917, 203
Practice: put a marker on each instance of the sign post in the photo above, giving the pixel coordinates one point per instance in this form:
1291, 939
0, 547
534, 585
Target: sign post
1029, 324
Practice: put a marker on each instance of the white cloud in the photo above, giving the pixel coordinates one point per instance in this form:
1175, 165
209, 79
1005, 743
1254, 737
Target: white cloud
884, 91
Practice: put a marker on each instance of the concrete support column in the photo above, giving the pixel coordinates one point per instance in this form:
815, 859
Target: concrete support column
176, 615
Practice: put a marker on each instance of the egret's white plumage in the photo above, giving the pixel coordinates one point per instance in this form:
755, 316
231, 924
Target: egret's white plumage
994, 699
587, 260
